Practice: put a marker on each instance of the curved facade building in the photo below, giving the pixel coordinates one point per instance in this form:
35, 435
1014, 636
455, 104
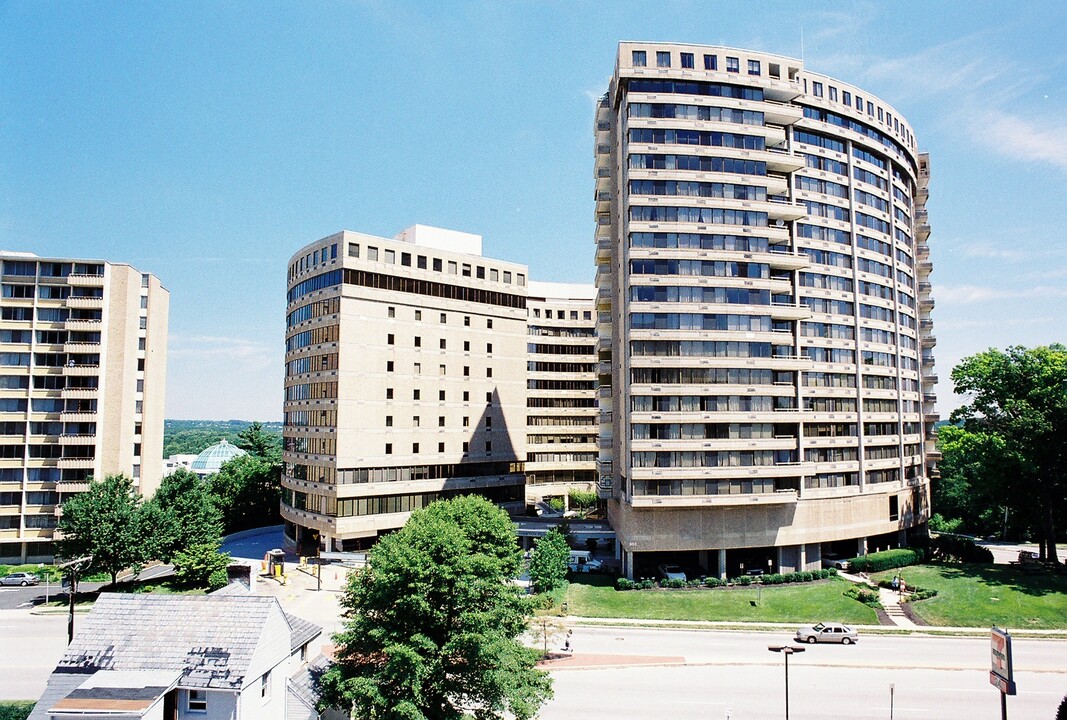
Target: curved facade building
763, 299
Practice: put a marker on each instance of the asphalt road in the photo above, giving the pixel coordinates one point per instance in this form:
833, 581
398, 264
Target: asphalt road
734, 676
12, 597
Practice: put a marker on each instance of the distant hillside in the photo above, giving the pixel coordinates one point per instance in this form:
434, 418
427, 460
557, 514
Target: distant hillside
189, 437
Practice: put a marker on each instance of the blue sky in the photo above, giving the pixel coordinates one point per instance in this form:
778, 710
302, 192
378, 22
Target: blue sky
207, 142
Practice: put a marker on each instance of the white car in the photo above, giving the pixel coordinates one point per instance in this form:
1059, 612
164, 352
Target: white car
828, 632
671, 572
20, 578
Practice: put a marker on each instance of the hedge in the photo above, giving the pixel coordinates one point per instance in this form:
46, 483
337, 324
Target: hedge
712, 582
886, 560
953, 548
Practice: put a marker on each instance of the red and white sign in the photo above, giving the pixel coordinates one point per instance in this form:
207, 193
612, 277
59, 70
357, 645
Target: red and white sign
1001, 675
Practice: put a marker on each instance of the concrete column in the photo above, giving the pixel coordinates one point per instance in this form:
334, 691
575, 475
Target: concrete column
802, 558
618, 548
902, 538
628, 564
861, 546
722, 564
702, 558
780, 557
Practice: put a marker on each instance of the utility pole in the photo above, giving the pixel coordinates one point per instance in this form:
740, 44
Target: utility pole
73, 567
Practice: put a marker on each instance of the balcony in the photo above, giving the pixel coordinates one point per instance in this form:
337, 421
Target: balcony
79, 393
603, 201
85, 302
86, 280
77, 417
603, 250
929, 340
91, 325
788, 260
76, 463
77, 439
82, 370
931, 418
928, 361
786, 210
781, 497
930, 379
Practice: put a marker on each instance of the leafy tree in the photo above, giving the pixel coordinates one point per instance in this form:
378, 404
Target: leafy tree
247, 491
968, 495
259, 442
1061, 714
106, 522
583, 502
195, 566
188, 513
1018, 405
434, 620
548, 562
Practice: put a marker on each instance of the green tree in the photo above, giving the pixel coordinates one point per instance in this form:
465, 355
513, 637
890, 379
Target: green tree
968, 495
188, 513
106, 522
247, 491
434, 620
583, 502
259, 442
548, 562
195, 565
1018, 403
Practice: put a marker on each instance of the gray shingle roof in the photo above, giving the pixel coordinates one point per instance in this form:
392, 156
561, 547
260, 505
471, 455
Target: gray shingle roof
210, 639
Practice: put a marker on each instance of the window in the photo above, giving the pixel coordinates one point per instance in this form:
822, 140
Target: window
389, 421
421, 262
489, 348
833, 94
466, 422
453, 267
197, 701
466, 447
264, 686
489, 398
489, 323
418, 341
489, 372
466, 371
390, 257
442, 343
687, 60
488, 423
507, 277
390, 339
372, 253
639, 58
440, 421
418, 314
418, 368
389, 393
416, 394
444, 318
441, 370
663, 59
466, 396
389, 448
733, 64
494, 274
816, 89
466, 321
846, 97
489, 446
437, 264
753, 67
390, 312
711, 62
441, 395
414, 448
389, 366
480, 272
405, 259
466, 346
440, 447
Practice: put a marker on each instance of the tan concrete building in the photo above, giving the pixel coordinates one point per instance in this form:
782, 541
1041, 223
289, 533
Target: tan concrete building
763, 298
405, 382
83, 364
561, 404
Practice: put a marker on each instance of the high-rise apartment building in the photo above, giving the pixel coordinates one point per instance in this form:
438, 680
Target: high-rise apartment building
83, 355
405, 382
561, 404
763, 300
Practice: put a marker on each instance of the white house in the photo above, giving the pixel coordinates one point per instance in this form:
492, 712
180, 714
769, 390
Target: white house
223, 656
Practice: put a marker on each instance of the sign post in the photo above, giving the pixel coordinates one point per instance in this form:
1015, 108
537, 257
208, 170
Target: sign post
1001, 674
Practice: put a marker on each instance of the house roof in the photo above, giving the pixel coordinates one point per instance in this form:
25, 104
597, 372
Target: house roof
118, 693
210, 639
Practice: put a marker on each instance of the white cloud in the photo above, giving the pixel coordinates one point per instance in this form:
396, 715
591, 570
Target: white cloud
968, 294
1020, 138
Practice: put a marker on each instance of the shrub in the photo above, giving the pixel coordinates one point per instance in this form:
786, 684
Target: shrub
645, 584
218, 579
742, 580
556, 503
714, 582
673, 583
622, 583
194, 566
886, 560
954, 548
919, 594
867, 597
15, 709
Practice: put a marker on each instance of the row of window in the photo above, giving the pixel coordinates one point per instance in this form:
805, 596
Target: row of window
357, 507
695, 321
29, 268
687, 60
24, 313
711, 458
710, 376
712, 487
682, 111
707, 138
451, 267
50, 292
864, 129
694, 188
697, 163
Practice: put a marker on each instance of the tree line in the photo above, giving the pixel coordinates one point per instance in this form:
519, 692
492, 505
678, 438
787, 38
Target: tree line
183, 522
1004, 453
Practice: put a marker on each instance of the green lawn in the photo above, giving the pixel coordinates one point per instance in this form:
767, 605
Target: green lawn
984, 595
800, 603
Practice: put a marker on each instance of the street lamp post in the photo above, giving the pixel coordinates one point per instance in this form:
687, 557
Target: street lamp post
73, 567
786, 650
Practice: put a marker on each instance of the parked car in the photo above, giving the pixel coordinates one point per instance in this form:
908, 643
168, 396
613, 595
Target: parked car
828, 632
20, 578
834, 561
671, 572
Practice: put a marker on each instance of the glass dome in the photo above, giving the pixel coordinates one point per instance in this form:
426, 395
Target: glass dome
212, 458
